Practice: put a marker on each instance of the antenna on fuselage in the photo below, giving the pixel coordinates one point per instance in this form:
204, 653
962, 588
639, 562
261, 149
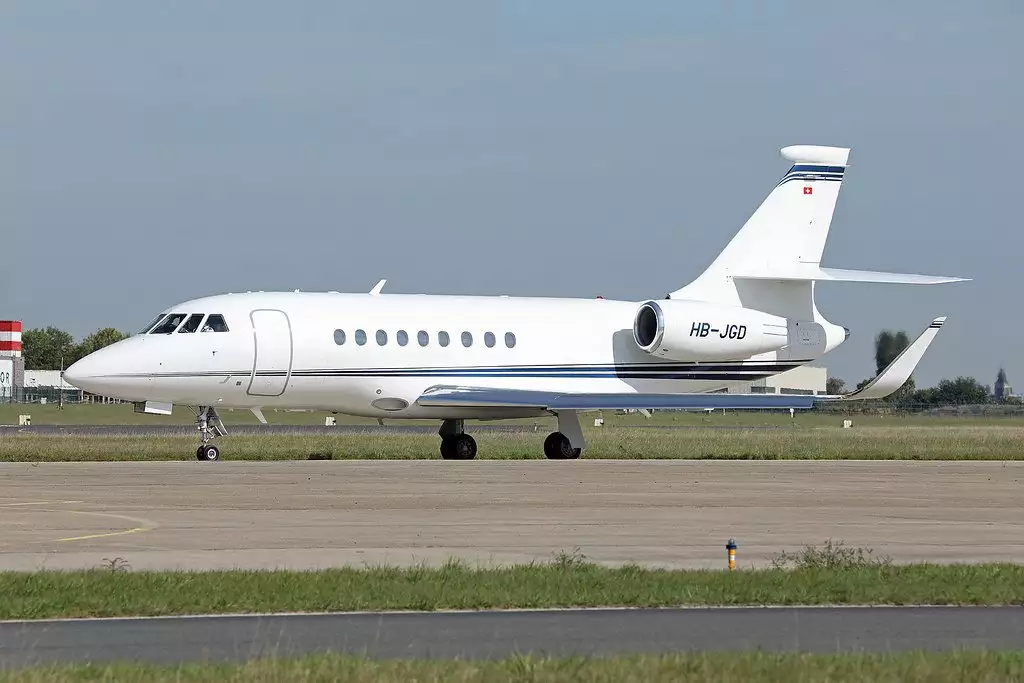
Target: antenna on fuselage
377, 287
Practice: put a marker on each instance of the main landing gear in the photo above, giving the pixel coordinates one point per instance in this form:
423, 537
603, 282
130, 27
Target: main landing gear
565, 444
558, 447
210, 426
456, 444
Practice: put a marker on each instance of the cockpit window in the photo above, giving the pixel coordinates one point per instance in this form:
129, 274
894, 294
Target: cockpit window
152, 323
192, 324
215, 323
169, 324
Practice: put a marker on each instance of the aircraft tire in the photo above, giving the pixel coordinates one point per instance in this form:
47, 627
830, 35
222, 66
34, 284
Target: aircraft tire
558, 447
465, 447
459, 447
208, 453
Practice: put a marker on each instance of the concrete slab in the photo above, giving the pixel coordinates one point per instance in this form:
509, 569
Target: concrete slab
304, 515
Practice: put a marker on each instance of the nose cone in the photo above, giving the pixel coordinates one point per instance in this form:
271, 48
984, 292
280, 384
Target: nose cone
103, 371
85, 373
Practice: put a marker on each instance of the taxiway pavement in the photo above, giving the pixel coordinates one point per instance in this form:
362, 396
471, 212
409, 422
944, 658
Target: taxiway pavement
301, 514
499, 634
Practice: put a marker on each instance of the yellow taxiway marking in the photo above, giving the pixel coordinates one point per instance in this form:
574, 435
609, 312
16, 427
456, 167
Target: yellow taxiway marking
143, 524
40, 502
106, 535
146, 525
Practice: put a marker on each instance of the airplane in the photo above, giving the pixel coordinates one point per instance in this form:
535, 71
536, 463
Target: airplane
750, 314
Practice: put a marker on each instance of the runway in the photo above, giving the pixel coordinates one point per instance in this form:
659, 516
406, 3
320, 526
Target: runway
499, 634
302, 514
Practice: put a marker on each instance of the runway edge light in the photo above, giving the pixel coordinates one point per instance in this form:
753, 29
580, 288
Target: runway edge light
731, 547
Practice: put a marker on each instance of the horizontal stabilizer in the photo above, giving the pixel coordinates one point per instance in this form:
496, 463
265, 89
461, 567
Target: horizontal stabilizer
474, 397
898, 372
841, 275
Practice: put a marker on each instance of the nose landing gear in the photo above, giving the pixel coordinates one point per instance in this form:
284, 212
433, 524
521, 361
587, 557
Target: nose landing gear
210, 426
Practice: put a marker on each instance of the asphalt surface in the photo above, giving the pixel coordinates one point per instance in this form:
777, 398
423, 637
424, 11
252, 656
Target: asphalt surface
499, 634
668, 513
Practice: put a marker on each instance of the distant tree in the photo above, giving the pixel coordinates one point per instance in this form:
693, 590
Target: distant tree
834, 385
962, 390
959, 391
1000, 386
888, 345
44, 348
97, 340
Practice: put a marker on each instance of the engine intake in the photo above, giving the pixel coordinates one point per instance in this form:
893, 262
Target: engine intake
698, 331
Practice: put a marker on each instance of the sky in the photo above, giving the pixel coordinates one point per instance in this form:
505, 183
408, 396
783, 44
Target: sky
155, 152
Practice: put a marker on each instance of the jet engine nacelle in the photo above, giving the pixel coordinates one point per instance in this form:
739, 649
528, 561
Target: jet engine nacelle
698, 331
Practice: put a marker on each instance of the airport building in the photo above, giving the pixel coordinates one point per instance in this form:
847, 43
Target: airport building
12, 365
806, 379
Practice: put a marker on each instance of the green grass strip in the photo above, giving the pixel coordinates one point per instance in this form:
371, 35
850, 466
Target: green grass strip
697, 443
103, 592
975, 666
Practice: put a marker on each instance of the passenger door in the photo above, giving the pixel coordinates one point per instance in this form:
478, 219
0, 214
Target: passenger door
272, 357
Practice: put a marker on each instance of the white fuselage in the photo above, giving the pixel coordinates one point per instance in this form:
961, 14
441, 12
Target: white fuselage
283, 350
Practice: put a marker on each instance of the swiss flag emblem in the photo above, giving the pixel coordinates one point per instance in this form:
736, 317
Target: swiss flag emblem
807, 190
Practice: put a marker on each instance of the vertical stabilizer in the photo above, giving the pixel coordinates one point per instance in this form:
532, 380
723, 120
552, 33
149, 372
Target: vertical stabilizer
787, 230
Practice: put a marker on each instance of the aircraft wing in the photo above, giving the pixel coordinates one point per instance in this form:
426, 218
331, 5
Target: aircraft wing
887, 381
478, 397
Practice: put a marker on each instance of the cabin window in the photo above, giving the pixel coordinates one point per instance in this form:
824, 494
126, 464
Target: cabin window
467, 339
510, 339
152, 323
442, 338
339, 337
489, 340
382, 337
215, 323
422, 337
402, 337
360, 337
169, 324
192, 324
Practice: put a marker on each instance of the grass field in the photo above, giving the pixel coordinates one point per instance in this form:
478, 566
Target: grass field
122, 414
737, 435
933, 667
913, 442
838, 576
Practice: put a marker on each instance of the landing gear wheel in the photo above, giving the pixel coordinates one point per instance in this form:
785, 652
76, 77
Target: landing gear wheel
558, 447
208, 453
465, 447
458, 447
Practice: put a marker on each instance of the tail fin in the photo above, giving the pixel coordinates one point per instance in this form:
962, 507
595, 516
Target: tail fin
788, 229
774, 261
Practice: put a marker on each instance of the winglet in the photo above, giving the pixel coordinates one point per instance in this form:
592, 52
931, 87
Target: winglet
377, 287
898, 372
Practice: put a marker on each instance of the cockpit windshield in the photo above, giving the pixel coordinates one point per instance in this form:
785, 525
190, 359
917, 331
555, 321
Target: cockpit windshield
169, 324
215, 323
152, 323
186, 323
192, 324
